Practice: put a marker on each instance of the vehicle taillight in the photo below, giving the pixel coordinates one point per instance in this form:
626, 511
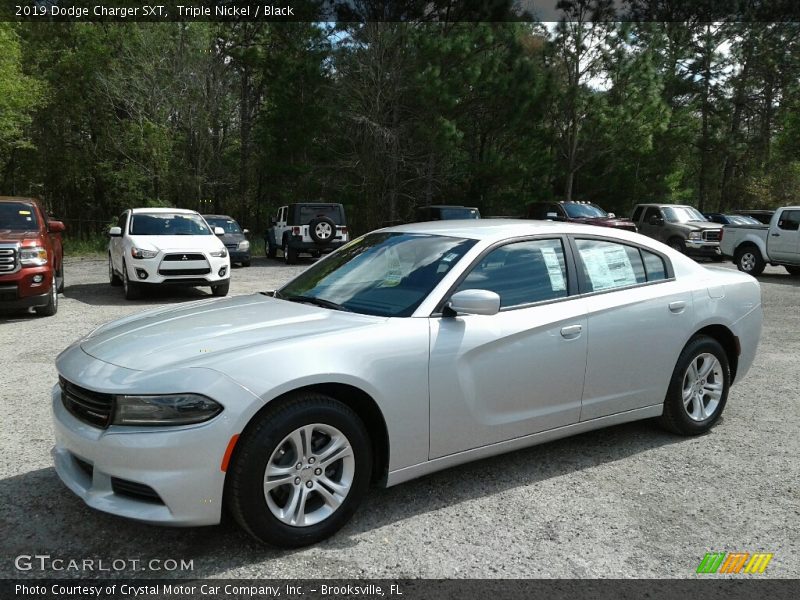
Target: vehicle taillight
342, 229
295, 231
721, 231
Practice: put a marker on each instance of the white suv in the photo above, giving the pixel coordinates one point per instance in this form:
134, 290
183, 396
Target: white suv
168, 246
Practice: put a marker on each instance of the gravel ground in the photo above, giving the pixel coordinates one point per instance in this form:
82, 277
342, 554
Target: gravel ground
629, 501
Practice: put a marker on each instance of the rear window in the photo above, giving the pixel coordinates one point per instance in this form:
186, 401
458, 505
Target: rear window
18, 216
333, 212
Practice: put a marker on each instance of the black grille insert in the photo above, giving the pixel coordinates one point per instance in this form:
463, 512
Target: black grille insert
711, 235
90, 407
137, 491
171, 272
183, 257
84, 466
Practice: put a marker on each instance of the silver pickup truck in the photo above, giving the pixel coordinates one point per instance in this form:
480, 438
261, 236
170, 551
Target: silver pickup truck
753, 247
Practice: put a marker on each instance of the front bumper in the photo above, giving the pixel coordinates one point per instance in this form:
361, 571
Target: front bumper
10, 301
181, 465
19, 290
702, 248
154, 271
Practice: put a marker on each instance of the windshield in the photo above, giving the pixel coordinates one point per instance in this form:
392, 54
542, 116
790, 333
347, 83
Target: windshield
228, 224
742, 220
682, 214
16, 216
584, 211
385, 274
169, 224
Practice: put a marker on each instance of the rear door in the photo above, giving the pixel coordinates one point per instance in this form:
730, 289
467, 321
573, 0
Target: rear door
520, 371
784, 238
639, 318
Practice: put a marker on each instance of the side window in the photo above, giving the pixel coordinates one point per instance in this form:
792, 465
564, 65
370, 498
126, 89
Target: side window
637, 214
654, 266
521, 272
123, 222
608, 265
790, 220
652, 211
282, 215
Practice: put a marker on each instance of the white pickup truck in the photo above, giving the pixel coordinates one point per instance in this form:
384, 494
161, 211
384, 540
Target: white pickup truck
753, 247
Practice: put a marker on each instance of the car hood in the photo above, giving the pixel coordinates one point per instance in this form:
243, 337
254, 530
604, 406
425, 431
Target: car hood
197, 331
700, 225
605, 221
177, 243
9, 236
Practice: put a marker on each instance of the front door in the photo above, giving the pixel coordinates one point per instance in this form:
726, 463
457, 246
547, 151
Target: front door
784, 239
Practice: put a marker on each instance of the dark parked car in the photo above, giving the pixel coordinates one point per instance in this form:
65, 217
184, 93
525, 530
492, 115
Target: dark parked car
726, 219
445, 212
577, 212
760, 215
234, 238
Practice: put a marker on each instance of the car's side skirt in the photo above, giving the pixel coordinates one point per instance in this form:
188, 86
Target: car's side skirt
414, 471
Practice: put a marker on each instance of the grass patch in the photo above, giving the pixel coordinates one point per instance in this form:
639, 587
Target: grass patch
87, 246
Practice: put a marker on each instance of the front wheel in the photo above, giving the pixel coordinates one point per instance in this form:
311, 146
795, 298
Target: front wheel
698, 389
271, 249
222, 289
677, 244
113, 278
300, 471
132, 290
748, 260
51, 308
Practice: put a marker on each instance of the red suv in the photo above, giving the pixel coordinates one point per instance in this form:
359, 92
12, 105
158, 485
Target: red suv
577, 212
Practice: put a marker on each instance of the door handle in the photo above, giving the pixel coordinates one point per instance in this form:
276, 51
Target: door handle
775, 234
677, 307
571, 331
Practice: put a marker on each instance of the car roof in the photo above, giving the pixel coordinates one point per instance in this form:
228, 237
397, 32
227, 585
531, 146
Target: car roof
449, 206
500, 229
218, 217
182, 211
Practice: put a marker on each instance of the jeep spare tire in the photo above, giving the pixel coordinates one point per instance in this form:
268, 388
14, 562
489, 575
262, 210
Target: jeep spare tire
322, 230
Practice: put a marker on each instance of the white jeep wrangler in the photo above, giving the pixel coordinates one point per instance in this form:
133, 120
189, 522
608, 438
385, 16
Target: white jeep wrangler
306, 227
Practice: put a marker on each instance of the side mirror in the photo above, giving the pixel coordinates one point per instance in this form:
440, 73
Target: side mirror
219, 231
55, 227
611, 215
246, 231
474, 302
115, 232
656, 220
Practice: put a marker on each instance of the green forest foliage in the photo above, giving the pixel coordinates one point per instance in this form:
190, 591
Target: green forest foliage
240, 118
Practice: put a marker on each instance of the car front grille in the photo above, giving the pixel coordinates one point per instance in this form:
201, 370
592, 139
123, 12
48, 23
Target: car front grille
232, 246
183, 257
8, 259
85, 405
176, 272
711, 235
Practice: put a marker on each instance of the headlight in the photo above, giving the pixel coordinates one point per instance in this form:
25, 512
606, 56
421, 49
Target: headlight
695, 236
244, 245
141, 253
219, 253
36, 256
172, 409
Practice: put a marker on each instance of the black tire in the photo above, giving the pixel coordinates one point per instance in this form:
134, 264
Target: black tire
271, 249
792, 270
245, 497
678, 244
748, 260
222, 289
132, 290
676, 417
322, 230
61, 283
246, 263
51, 308
289, 253
113, 278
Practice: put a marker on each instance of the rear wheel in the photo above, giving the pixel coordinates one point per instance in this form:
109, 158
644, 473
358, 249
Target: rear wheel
299, 473
289, 253
793, 270
698, 389
132, 290
748, 260
51, 308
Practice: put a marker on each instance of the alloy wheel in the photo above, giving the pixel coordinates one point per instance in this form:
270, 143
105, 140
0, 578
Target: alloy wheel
703, 385
309, 475
748, 261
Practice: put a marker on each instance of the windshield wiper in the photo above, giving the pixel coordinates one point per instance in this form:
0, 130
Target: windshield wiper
318, 302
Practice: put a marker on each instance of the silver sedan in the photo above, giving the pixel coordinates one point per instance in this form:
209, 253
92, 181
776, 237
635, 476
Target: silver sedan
409, 350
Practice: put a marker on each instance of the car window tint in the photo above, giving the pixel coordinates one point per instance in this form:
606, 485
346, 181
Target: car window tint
790, 220
654, 266
608, 265
651, 211
636, 214
521, 273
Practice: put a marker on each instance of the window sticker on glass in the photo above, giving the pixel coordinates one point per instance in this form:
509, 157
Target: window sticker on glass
554, 269
450, 257
24, 212
608, 267
394, 270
